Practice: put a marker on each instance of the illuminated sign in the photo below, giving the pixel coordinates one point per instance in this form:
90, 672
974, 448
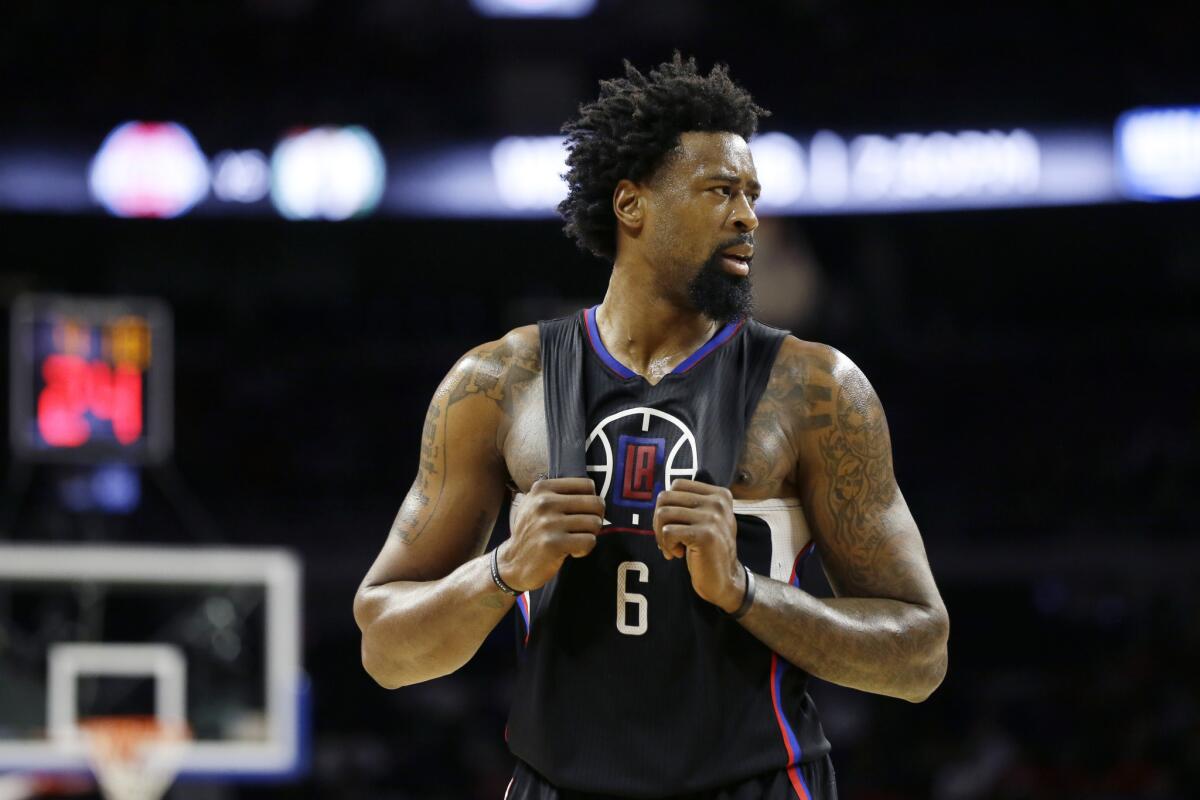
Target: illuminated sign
894, 172
534, 8
149, 169
870, 172
241, 177
333, 173
90, 379
1158, 153
327, 173
528, 171
780, 159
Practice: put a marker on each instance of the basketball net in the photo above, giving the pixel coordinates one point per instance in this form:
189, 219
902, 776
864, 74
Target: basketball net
134, 758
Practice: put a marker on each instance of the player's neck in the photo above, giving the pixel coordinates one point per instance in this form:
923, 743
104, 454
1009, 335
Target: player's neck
645, 330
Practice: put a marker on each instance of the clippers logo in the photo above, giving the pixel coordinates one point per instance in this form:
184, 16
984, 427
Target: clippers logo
652, 448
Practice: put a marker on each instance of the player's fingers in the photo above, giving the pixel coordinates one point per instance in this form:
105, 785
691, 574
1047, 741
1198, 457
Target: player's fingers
665, 516
575, 504
658, 533
680, 498
675, 539
582, 523
565, 486
696, 487
578, 545
678, 514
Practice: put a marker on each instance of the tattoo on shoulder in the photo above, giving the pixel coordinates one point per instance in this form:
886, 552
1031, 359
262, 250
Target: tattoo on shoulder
792, 402
501, 372
796, 388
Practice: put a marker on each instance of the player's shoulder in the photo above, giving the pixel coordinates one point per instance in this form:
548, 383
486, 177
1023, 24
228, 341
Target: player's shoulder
519, 348
802, 362
523, 344
491, 379
819, 369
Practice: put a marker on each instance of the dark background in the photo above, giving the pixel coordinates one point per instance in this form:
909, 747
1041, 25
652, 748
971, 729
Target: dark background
1038, 367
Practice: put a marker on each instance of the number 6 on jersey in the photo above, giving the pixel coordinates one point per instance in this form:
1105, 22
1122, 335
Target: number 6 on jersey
625, 598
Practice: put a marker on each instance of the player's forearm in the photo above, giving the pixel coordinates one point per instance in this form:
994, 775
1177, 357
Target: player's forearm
416, 631
876, 645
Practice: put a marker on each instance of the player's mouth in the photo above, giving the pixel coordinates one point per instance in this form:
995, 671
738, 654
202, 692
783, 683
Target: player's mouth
736, 260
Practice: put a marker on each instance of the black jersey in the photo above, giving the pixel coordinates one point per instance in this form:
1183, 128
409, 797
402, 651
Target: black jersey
629, 683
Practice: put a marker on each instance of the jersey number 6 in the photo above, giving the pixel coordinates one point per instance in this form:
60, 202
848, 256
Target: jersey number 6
626, 598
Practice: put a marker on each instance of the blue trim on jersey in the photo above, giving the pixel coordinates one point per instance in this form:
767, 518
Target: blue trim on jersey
719, 338
777, 679
798, 569
593, 330
589, 316
523, 605
787, 726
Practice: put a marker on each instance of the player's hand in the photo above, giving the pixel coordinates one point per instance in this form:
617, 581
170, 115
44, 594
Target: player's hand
694, 520
559, 517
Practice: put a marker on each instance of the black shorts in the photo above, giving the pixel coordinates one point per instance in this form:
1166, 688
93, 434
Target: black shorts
810, 781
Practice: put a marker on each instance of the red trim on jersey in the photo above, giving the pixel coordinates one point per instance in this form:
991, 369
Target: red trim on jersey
790, 743
798, 783
523, 605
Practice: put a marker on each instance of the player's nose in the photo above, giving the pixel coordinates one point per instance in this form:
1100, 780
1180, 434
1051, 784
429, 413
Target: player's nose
743, 217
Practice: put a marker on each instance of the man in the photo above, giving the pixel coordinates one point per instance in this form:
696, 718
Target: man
673, 462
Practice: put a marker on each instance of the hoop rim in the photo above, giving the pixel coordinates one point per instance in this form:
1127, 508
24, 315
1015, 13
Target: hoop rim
134, 757
127, 738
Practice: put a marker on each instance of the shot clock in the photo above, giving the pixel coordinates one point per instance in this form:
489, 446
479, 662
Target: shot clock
90, 379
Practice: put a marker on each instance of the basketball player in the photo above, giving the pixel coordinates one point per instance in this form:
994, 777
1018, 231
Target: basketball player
672, 463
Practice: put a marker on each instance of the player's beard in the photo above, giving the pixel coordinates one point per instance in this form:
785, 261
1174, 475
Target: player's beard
719, 295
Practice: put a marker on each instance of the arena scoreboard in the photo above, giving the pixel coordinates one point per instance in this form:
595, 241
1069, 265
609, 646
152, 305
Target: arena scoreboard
90, 379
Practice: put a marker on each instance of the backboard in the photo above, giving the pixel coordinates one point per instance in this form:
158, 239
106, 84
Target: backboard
205, 636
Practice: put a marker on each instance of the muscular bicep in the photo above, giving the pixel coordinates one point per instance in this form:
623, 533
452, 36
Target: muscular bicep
452, 505
869, 543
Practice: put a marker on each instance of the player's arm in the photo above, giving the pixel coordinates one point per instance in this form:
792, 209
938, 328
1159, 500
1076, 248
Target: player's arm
429, 601
886, 629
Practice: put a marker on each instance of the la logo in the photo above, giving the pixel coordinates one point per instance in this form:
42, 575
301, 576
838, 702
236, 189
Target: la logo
633, 455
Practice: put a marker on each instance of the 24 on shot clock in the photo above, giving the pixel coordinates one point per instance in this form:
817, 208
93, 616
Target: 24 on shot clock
90, 379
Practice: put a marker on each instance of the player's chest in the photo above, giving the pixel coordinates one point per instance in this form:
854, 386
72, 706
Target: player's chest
634, 449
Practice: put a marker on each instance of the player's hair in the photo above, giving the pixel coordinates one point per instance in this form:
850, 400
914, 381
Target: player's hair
628, 131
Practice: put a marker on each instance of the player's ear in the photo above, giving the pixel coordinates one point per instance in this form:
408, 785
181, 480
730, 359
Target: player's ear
629, 204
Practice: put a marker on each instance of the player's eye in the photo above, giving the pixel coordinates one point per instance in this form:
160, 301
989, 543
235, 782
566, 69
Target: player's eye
724, 191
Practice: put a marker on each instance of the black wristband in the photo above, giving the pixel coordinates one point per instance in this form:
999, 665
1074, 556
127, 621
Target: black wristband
748, 600
500, 584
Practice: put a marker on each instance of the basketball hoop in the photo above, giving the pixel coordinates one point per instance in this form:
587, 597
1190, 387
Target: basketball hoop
134, 757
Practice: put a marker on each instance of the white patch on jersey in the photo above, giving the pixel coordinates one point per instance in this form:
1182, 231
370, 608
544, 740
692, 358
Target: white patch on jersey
789, 530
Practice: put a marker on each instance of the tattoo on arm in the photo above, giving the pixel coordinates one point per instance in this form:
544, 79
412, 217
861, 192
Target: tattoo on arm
411, 519
858, 486
886, 630
500, 372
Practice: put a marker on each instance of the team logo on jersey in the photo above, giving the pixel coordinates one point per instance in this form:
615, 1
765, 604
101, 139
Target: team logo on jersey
639, 470
635, 454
